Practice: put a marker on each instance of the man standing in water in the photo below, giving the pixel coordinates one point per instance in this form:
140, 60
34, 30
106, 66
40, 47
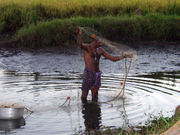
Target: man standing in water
92, 74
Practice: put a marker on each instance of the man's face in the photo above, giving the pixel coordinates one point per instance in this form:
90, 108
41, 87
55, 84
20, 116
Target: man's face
98, 44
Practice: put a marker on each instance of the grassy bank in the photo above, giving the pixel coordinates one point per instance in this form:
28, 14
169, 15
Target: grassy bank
52, 22
17, 13
122, 28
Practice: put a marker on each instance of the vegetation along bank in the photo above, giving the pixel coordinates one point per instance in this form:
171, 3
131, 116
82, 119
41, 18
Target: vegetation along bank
38, 23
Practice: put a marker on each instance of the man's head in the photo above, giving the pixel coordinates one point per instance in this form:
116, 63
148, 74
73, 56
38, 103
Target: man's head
96, 43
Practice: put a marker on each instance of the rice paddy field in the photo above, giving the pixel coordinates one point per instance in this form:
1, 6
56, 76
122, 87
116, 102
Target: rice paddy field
122, 20
71, 8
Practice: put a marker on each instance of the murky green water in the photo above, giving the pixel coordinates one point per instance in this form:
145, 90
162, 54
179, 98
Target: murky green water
145, 94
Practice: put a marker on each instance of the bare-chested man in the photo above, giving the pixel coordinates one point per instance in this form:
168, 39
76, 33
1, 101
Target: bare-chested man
92, 74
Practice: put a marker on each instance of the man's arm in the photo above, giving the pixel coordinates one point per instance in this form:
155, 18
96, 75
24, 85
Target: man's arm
115, 58
79, 39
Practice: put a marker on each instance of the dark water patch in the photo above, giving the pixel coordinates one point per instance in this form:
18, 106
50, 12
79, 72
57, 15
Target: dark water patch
60, 61
178, 64
145, 63
151, 85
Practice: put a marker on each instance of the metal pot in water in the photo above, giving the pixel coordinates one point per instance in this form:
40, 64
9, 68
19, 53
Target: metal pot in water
11, 113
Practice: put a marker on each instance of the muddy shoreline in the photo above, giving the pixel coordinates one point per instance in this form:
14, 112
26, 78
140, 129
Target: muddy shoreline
151, 58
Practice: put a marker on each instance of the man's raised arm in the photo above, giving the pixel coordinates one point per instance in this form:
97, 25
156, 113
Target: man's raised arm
115, 58
79, 39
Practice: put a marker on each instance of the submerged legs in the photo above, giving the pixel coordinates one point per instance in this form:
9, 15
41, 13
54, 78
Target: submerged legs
94, 92
84, 96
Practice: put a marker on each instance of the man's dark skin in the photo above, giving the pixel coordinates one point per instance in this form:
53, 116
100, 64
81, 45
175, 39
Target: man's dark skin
92, 61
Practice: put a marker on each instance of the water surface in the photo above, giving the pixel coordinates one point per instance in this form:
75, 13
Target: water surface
145, 95
43, 79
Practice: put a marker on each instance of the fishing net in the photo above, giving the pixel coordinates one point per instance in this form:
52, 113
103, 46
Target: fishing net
114, 48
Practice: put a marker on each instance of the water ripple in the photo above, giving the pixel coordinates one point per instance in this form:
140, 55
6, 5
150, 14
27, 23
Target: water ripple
144, 95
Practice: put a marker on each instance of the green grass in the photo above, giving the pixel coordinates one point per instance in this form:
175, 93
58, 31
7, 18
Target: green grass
122, 28
69, 8
17, 13
116, 19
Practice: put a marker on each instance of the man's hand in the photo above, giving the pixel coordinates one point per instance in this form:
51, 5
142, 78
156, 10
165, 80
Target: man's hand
128, 55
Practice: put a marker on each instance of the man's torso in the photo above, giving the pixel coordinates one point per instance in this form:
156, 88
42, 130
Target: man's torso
92, 57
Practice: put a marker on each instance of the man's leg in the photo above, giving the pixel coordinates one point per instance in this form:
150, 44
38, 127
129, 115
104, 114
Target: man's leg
84, 96
86, 84
94, 92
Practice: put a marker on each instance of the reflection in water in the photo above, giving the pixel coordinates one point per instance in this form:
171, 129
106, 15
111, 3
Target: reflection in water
92, 116
169, 76
124, 114
122, 110
36, 76
8, 125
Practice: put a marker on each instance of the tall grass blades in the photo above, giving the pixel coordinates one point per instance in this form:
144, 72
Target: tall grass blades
88, 8
127, 28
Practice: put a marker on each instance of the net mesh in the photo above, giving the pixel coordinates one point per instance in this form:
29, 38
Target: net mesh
110, 46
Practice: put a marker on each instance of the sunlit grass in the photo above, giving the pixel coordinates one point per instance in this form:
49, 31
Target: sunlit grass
17, 13
67, 8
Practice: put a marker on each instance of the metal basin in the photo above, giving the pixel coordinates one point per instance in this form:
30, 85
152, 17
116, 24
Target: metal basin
11, 113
